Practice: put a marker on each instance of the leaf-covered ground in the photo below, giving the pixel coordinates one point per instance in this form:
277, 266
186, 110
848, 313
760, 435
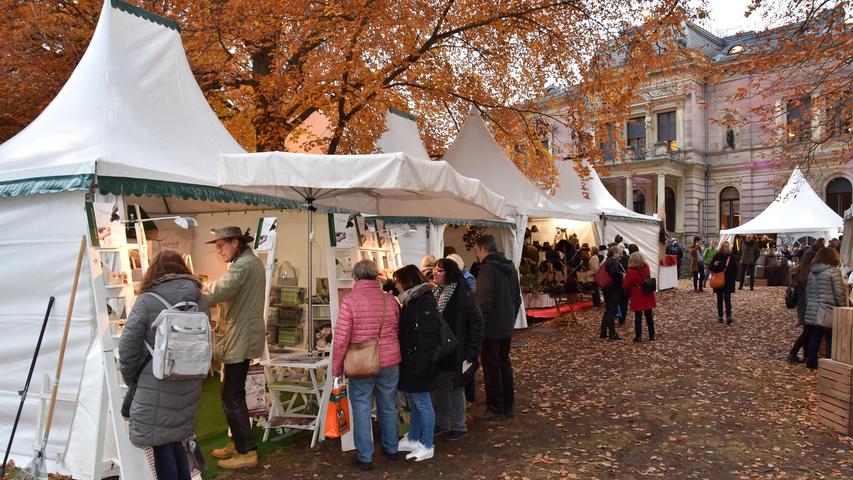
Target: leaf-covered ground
705, 400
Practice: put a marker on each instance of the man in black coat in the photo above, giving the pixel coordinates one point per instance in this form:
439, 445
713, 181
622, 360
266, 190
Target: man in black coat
499, 296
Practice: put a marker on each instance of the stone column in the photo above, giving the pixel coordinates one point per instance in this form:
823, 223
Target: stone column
629, 193
661, 210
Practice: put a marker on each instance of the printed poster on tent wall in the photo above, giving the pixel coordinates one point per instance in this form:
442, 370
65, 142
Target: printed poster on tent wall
105, 224
342, 231
267, 230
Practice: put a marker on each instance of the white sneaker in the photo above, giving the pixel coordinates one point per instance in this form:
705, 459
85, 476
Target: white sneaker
407, 445
421, 454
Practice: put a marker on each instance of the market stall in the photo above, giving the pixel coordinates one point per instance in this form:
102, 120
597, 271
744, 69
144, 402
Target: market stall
475, 153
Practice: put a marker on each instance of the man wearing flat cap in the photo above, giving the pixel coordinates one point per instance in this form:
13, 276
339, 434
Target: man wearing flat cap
239, 337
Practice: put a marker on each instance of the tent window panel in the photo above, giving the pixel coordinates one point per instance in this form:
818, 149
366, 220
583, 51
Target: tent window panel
839, 195
666, 127
729, 208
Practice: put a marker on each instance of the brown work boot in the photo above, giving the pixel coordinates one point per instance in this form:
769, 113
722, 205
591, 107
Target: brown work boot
240, 460
222, 453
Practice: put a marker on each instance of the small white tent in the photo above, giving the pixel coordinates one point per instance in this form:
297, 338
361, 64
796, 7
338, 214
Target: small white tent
797, 209
612, 218
131, 120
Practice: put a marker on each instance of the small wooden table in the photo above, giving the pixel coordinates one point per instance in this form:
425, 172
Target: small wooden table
289, 418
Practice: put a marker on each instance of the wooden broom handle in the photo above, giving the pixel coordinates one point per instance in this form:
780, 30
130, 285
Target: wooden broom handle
64, 338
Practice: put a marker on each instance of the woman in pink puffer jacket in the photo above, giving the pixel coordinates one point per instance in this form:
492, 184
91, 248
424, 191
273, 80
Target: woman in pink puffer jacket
367, 313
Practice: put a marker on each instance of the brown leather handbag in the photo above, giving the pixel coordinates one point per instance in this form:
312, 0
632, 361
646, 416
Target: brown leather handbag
362, 358
718, 279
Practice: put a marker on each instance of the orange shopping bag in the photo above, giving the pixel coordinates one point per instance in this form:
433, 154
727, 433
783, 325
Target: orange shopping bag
337, 415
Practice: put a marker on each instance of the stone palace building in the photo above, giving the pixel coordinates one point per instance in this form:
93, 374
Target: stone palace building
701, 174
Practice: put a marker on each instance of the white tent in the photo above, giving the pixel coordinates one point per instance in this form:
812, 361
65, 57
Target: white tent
612, 218
385, 184
131, 120
475, 153
797, 209
401, 135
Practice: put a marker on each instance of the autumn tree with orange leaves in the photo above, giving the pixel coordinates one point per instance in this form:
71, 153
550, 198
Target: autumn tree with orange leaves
267, 66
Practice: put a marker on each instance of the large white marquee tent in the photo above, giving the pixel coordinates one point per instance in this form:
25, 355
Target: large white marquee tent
797, 209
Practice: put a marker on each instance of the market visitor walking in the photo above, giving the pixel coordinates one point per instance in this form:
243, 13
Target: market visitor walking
725, 269
368, 313
613, 293
799, 282
163, 412
238, 338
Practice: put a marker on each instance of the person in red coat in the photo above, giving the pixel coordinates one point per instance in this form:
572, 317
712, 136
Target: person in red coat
641, 302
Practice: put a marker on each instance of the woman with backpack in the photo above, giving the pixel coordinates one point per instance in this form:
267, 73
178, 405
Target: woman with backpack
420, 334
163, 412
638, 285
611, 285
799, 281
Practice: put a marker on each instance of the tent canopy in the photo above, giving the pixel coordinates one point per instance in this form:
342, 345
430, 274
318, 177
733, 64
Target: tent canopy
131, 113
600, 201
475, 153
388, 184
796, 209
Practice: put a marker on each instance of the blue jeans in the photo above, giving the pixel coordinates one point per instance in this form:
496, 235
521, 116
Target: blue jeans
170, 461
360, 392
422, 426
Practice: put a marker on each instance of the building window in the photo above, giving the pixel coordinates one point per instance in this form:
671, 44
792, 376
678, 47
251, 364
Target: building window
729, 208
607, 144
639, 201
637, 136
839, 195
736, 49
666, 127
798, 119
838, 116
669, 208
730, 138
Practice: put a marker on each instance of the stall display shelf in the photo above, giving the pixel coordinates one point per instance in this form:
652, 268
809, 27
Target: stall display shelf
289, 417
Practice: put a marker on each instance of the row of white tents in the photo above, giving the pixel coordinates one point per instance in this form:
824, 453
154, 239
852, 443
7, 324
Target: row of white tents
132, 126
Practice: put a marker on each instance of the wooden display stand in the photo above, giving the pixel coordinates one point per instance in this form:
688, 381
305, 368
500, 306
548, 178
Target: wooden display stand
835, 382
842, 335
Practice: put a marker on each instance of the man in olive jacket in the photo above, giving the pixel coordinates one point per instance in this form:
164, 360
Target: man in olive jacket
238, 338
499, 296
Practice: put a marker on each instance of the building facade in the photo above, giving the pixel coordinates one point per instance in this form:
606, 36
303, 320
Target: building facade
700, 175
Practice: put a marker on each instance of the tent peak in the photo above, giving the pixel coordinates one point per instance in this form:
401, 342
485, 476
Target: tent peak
145, 14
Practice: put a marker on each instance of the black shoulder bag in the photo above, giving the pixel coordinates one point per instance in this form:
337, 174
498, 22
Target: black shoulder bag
131, 388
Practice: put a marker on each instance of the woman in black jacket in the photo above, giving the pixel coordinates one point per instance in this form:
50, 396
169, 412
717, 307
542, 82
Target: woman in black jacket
613, 293
724, 263
420, 334
457, 305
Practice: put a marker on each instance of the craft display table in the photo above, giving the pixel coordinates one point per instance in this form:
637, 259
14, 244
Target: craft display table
306, 396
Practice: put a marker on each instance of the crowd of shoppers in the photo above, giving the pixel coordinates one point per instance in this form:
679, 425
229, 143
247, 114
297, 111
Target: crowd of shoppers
480, 316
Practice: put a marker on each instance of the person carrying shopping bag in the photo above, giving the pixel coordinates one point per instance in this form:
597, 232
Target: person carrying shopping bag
368, 314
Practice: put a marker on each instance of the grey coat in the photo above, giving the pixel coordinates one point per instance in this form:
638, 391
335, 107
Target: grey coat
163, 411
825, 286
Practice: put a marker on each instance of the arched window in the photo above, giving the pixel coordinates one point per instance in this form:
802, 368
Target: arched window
669, 208
639, 201
729, 208
839, 194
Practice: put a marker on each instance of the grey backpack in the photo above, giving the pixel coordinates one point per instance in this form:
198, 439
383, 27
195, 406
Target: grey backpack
182, 348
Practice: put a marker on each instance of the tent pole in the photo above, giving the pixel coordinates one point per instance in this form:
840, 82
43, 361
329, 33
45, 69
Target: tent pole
310, 319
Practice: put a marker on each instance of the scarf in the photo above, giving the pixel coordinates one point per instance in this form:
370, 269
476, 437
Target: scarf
413, 292
443, 294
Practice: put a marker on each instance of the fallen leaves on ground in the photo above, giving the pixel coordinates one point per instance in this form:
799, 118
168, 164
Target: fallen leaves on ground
704, 401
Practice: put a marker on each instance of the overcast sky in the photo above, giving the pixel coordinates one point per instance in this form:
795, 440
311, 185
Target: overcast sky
727, 17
